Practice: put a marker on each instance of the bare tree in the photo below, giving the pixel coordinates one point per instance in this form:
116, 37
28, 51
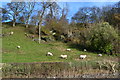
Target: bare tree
63, 18
44, 6
53, 16
13, 11
29, 8
34, 19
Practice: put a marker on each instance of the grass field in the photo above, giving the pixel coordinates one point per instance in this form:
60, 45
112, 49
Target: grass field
31, 51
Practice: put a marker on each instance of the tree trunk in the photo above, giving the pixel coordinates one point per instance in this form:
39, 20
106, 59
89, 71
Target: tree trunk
13, 24
39, 34
26, 25
39, 24
27, 22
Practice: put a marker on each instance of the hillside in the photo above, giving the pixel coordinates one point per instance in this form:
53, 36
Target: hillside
31, 51
34, 53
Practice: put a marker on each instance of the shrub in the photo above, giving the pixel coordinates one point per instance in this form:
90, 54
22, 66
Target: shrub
45, 31
31, 30
101, 37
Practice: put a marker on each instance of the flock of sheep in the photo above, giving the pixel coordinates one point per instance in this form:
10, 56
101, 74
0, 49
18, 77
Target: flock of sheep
51, 54
65, 56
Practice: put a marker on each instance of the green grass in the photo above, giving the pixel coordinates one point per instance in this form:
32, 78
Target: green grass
31, 51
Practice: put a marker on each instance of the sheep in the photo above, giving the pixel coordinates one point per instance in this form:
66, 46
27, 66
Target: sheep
53, 33
63, 56
68, 49
11, 33
100, 55
18, 47
25, 33
0, 68
50, 54
85, 50
83, 56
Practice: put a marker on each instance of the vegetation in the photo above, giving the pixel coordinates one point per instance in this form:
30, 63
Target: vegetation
101, 37
59, 70
93, 32
90, 29
31, 51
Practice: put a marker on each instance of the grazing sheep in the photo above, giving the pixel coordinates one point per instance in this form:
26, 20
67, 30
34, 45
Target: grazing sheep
53, 33
83, 56
25, 33
0, 68
50, 54
100, 55
68, 49
18, 47
11, 33
85, 50
63, 56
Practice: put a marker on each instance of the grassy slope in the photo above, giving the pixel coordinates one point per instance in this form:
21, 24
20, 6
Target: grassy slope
31, 51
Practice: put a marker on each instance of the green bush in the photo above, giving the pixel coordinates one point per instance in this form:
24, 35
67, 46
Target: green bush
101, 37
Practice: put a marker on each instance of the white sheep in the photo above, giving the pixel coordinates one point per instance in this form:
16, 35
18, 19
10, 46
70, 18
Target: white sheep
100, 55
63, 56
54, 77
11, 33
85, 50
68, 49
50, 54
18, 47
83, 56
53, 33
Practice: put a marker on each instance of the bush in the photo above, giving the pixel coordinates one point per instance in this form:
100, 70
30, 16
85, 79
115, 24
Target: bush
45, 31
101, 37
31, 30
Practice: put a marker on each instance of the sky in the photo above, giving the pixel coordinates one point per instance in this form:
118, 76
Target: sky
74, 6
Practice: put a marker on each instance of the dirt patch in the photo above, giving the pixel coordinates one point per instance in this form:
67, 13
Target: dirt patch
60, 48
